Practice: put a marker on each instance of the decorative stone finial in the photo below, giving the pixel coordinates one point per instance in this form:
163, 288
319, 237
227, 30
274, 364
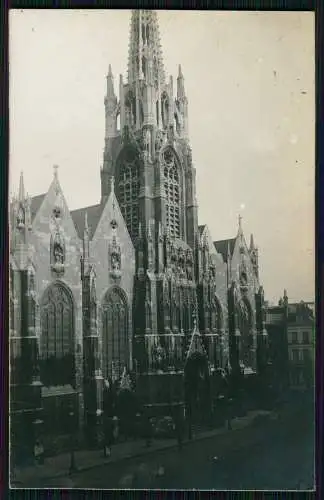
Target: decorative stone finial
240, 222
55, 169
21, 194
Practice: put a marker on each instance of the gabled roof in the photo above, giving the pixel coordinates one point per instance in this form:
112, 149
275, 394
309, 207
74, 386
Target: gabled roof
93, 214
201, 229
222, 247
35, 204
178, 243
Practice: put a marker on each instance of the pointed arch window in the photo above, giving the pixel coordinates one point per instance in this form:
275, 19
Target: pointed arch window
128, 191
244, 320
172, 192
57, 337
12, 322
215, 316
130, 104
93, 308
31, 302
115, 333
165, 110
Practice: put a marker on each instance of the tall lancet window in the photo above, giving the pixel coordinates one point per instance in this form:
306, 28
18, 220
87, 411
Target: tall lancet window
165, 110
57, 337
12, 302
128, 190
114, 333
172, 192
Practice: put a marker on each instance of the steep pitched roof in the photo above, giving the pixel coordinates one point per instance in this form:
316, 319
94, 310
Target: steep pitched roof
222, 247
93, 213
201, 229
35, 204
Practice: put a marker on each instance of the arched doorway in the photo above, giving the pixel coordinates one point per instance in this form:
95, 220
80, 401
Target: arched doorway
197, 387
114, 334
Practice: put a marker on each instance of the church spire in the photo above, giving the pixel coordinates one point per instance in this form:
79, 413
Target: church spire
21, 193
252, 246
110, 83
145, 53
181, 94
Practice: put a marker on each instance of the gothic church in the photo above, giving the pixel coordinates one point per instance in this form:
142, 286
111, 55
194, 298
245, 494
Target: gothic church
133, 283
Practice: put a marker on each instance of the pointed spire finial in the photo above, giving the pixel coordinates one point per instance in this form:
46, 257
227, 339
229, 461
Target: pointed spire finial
180, 75
21, 194
55, 170
110, 83
144, 32
252, 246
240, 222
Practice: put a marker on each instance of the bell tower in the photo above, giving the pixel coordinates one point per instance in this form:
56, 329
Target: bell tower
149, 153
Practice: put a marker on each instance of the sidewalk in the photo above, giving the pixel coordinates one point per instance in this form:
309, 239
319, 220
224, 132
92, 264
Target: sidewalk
58, 466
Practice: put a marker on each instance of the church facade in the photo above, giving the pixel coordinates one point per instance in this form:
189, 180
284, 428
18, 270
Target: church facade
132, 283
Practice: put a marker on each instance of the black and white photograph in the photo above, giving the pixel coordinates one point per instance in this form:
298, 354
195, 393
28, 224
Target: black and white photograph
162, 250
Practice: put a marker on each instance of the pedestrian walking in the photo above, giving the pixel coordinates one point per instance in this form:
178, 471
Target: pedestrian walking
108, 435
179, 427
39, 453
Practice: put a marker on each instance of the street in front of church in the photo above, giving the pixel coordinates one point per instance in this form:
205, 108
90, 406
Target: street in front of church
263, 455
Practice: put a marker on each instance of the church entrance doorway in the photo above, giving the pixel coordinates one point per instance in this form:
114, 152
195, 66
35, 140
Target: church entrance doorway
197, 388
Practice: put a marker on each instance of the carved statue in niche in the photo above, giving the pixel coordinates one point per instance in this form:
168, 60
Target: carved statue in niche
126, 135
170, 134
173, 259
147, 143
160, 140
115, 261
21, 218
181, 263
243, 271
189, 266
115, 254
58, 253
159, 355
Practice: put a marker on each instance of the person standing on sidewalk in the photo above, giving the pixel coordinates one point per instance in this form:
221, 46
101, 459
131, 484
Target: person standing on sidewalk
108, 424
179, 426
39, 453
147, 428
229, 414
108, 435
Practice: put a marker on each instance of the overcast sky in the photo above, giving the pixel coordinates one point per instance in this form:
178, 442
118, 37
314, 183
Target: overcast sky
249, 78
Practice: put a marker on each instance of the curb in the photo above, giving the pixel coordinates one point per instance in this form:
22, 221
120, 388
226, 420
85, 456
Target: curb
144, 452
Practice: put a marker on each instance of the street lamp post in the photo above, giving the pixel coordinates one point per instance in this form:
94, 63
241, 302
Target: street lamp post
73, 467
